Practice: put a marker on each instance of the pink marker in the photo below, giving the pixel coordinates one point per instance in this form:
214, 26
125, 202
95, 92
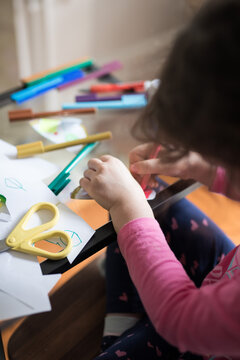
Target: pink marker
146, 177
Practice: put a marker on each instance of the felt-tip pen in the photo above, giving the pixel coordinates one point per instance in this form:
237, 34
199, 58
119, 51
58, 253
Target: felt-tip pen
137, 86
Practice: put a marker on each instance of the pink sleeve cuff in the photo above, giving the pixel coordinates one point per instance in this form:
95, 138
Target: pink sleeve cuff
219, 184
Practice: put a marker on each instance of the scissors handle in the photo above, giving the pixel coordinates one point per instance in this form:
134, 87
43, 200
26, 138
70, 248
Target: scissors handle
22, 239
27, 247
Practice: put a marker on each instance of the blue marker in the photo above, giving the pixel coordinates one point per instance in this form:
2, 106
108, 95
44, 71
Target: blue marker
36, 90
127, 102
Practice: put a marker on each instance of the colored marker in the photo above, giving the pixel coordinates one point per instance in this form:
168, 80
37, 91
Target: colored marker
79, 193
127, 102
36, 90
37, 147
105, 69
103, 88
28, 114
59, 183
146, 177
60, 70
94, 97
87, 97
136, 86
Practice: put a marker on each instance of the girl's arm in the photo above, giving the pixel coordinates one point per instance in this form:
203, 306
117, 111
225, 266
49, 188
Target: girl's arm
203, 321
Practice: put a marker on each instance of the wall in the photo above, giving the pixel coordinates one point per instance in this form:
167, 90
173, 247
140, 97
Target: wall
103, 27
52, 32
8, 56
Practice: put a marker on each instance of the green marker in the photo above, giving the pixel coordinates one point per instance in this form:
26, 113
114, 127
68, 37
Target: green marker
54, 74
59, 183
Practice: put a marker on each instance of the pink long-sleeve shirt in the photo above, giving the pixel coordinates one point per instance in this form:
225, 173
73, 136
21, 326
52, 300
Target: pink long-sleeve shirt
203, 320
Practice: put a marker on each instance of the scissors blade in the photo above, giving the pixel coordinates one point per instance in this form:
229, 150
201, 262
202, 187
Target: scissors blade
3, 246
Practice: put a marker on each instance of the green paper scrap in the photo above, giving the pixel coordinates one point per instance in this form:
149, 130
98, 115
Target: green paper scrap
2, 200
49, 125
4, 212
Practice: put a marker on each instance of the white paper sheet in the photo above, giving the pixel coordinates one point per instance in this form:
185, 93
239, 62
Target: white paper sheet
23, 288
21, 194
32, 167
19, 297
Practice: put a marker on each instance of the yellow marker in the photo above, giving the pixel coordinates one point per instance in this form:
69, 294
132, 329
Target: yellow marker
75, 192
37, 147
80, 193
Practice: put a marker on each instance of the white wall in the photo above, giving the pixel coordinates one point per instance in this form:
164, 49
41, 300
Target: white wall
52, 32
102, 27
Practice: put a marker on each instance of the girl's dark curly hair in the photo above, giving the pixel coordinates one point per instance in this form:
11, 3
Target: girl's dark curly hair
197, 106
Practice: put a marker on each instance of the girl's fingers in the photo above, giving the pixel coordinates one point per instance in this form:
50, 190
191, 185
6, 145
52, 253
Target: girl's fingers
140, 152
94, 164
105, 158
89, 174
84, 183
145, 167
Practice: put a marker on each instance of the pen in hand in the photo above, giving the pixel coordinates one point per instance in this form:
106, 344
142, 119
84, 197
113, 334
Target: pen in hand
79, 193
146, 177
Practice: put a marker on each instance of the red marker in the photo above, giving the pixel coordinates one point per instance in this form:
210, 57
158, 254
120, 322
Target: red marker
105, 88
146, 177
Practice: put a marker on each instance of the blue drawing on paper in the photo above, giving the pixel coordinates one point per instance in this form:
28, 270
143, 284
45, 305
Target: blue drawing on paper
13, 183
75, 238
59, 242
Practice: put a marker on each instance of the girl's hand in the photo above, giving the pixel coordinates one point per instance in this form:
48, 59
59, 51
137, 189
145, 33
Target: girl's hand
140, 164
109, 182
191, 166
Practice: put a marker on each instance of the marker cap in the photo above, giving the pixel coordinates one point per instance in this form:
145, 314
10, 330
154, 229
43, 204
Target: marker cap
30, 149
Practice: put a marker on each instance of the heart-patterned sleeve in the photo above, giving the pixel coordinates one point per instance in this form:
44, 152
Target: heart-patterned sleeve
202, 320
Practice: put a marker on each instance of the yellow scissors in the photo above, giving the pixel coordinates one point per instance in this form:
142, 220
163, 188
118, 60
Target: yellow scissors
23, 240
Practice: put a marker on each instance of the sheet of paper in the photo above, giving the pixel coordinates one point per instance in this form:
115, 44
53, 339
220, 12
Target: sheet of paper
33, 167
21, 194
23, 288
28, 265
60, 130
75, 227
19, 297
12, 307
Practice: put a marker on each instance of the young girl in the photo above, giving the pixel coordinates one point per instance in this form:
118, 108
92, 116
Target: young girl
186, 271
